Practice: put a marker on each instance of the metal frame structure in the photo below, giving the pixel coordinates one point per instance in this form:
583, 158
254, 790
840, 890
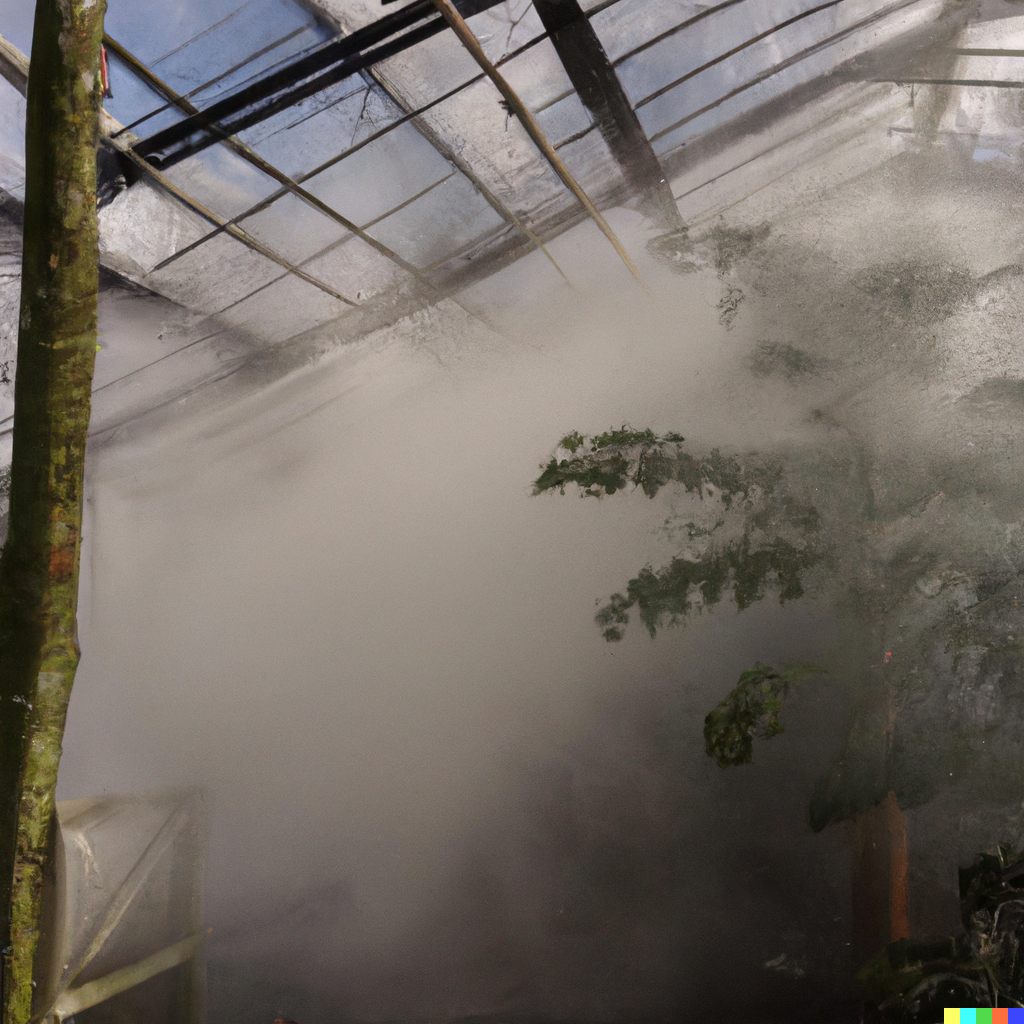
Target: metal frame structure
643, 152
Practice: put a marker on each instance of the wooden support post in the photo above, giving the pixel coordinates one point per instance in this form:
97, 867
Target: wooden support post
879, 878
39, 567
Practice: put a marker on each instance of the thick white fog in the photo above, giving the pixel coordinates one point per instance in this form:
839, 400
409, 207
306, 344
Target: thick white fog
337, 607
331, 600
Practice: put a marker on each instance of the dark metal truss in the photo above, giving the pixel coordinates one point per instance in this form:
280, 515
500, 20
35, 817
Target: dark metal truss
299, 79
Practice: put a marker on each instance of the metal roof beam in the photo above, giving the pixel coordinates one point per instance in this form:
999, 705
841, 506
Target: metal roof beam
600, 91
303, 77
526, 119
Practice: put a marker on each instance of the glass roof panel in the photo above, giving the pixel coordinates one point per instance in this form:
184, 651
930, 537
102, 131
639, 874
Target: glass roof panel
630, 23
304, 137
17, 21
357, 270
150, 38
506, 27
134, 100
284, 308
474, 125
214, 275
678, 54
12, 139
222, 181
144, 226
455, 203
564, 119
251, 28
293, 228
769, 67
277, 52
389, 171
431, 69
537, 75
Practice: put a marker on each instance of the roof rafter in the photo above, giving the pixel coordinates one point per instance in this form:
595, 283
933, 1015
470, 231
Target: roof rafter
251, 156
470, 42
14, 66
463, 165
600, 91
289, 186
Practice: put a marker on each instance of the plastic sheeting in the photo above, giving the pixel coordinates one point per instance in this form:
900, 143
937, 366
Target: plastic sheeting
123, 931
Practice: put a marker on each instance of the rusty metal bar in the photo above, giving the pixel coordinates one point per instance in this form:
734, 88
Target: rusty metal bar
526, 119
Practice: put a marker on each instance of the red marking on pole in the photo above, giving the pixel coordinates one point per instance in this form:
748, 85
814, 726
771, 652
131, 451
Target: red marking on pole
105, 74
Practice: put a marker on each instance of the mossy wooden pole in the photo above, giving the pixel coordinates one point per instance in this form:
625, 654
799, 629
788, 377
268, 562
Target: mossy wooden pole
39, 567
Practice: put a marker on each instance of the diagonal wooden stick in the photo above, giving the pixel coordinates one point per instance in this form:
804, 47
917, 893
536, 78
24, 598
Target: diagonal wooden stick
526, 119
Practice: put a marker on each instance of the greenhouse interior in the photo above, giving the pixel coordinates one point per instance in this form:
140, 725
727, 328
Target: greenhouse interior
552, 546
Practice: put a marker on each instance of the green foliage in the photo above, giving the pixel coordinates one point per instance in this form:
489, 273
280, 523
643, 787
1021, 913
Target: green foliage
572, 442
752, 706
606, 463
751, 709
744, 569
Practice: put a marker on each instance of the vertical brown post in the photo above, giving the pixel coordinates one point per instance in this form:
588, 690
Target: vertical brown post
39, 567
880, 896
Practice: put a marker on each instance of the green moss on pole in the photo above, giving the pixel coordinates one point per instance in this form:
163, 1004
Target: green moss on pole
39, 567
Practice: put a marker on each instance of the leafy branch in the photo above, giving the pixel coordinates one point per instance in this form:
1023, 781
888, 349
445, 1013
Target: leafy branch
751, 709
667, 595
606, 463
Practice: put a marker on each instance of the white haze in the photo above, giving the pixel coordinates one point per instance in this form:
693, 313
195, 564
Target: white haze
337, 607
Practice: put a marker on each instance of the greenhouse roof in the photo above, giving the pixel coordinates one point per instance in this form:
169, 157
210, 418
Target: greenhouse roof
324, 167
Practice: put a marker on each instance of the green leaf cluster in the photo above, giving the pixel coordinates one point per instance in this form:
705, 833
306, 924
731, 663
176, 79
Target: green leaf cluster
751, 709
743, 568
606, 463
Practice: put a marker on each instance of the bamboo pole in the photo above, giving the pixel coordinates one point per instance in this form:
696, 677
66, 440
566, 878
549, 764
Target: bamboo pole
526, 119
13, 66
293, 185
39, 566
